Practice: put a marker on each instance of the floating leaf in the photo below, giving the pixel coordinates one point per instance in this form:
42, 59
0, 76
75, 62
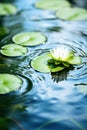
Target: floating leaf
52, 61
57, 69
7, 9
13, 50
72, 13
76, 60
21, 38
40, 63
29, 38
81, 16
52, 4
9, 82
66, 64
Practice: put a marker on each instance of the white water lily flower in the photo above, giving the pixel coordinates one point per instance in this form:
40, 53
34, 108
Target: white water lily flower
61, 53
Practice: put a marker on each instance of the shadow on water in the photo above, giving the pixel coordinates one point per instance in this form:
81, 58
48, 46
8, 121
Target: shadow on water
46, 100
62, 75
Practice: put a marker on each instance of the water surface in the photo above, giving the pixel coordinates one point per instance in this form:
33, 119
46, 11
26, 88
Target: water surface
46, 101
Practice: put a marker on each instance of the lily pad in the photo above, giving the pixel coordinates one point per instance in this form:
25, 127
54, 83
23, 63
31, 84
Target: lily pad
9, 83
7, 9
52, 4
76, 60
29, 38
13, 50
57, 69
40, 64
72, 13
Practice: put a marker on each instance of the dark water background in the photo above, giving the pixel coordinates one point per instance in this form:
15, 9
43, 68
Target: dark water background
46, 101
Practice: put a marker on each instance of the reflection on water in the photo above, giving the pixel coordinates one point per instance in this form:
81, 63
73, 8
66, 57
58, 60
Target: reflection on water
46, 101
59, 76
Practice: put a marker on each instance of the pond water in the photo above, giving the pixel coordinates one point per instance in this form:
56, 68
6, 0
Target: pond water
46, 101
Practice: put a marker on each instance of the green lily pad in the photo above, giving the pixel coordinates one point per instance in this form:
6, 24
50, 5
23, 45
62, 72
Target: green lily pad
13, 50
76, 60
40, 63
52, 4
55, 66
81, 16
66, 64
7, 9
57, 69
52, 61
72, 13
9, 82
29, 38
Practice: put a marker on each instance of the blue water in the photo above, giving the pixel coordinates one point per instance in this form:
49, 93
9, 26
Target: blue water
46, 101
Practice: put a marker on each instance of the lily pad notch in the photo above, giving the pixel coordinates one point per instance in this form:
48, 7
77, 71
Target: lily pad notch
56, 60
9, 83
